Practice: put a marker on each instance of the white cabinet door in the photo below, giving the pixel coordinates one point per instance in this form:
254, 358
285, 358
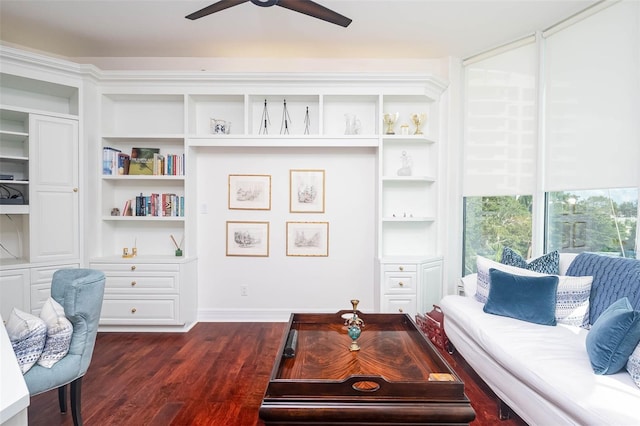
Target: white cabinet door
14, 291
54, 205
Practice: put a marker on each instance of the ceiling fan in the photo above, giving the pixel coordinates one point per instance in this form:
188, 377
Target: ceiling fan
303, 6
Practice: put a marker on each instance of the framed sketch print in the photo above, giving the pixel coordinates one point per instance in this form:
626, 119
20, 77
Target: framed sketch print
250, 192
308, 239
306, 191
248, 239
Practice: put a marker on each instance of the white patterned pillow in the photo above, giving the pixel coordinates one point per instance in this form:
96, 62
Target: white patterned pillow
633, 365
28, 334
572, 301
572, 306
59, 330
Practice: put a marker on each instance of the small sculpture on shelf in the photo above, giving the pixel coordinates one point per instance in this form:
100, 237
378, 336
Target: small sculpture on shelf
354, 324
390, 122
418, 120
353, 126
265, 120
286, 119
220, 127
307, 122
405, 170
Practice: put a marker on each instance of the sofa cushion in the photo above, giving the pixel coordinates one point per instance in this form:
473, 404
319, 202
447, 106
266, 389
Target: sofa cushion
613, 337
572, 301
545, 264
531, 299
59, 331
633, 365
613, 278
28, 334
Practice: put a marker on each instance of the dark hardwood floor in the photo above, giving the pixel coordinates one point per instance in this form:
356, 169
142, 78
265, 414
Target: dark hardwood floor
216, 374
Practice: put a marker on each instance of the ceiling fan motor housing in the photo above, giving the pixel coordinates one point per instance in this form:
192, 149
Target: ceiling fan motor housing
264, 3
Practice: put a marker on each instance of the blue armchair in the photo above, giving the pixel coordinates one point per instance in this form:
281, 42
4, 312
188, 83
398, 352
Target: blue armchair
80, 292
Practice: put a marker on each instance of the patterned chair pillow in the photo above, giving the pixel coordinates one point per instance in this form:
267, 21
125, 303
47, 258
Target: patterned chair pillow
28, 334
59, 331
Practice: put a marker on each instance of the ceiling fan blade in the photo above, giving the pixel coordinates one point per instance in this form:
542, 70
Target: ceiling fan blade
215, 7
315, 10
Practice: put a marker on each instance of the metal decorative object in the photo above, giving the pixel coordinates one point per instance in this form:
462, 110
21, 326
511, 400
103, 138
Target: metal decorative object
307, 122
390, 122
264, 121
286, 119
418, 120
355, 324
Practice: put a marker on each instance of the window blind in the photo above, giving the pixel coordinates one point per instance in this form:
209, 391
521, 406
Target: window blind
592, 98
500, 103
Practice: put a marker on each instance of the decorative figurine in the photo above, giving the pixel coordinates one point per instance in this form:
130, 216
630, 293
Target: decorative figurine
307, 122
390, 121
264, 121
418, 120
405, 170
220, 127
354, 326
284, 127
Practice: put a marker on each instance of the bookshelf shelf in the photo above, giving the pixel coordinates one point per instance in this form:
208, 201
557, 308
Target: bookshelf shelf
144, 218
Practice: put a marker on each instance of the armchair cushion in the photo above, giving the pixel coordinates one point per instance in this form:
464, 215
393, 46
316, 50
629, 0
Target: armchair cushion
28, 334
59, 331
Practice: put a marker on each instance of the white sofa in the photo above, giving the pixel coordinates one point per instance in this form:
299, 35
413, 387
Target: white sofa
542, 373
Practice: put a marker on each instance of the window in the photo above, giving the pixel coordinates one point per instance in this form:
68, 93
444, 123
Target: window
602, 221
491, 223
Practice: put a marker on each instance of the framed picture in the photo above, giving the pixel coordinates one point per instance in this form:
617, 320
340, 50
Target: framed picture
250, 192
308, 239
248, 239
306, 191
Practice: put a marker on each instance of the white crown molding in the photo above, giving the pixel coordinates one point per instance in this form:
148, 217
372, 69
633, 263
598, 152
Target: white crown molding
413, 82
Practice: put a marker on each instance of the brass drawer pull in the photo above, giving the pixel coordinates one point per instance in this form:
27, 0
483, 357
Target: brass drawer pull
401, 268
133, 267
133, 283
400, 310
401, 284
133, 310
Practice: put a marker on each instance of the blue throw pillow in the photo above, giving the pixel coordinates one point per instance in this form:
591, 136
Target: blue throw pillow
613, 337
526, 298
546, 264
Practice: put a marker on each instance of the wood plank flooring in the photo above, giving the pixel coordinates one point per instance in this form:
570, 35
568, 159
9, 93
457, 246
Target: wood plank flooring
215, 374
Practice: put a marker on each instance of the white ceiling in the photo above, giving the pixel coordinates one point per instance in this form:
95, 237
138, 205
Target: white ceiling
412, 29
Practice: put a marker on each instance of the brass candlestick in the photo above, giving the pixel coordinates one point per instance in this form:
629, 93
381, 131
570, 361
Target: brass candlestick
354, 326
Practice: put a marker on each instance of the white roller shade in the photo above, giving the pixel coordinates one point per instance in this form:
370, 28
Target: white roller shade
500, 122
592, 91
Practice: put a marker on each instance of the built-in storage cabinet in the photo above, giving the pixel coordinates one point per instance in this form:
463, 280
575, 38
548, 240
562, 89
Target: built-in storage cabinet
39, 148
14, 291
148, 291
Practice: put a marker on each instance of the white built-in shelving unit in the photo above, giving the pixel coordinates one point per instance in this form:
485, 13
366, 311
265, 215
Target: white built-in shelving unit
40, 223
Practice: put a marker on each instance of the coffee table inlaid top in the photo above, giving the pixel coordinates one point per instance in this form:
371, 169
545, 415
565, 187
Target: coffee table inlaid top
394, 356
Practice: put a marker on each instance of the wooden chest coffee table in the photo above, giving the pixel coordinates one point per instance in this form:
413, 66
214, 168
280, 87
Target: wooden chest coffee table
396, 378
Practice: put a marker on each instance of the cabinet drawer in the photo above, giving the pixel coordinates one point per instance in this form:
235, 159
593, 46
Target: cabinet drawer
157, 311
41, 275
133, 267
138, 283
399, 267
399, 304
399, 282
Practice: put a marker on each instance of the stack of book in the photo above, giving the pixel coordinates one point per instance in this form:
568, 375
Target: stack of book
155, 205
142, 161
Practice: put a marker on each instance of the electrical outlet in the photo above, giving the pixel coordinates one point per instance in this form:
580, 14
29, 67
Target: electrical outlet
244, 290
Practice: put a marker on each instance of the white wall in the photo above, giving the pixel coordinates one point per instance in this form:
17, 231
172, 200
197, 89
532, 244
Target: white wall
279, 285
